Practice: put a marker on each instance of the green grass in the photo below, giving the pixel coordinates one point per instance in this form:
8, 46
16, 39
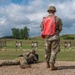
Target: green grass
66, 56
11, 53
62, 55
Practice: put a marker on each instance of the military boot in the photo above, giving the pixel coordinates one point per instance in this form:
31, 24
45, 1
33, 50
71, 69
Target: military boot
53, 67
24, 66
1, 65
47, 65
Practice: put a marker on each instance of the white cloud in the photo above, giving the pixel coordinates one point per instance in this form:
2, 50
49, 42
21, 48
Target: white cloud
2, 21
30, 15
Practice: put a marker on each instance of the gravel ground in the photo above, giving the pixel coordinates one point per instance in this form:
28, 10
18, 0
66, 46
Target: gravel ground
65, 68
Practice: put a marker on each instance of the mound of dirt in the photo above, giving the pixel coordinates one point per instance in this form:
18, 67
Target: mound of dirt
65, 68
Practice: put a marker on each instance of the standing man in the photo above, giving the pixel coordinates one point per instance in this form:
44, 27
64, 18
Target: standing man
51, 26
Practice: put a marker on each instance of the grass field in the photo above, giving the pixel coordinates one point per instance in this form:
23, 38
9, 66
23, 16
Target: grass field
62, 55
11, 53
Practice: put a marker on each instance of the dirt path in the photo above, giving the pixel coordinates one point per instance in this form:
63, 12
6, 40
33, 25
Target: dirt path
65, 68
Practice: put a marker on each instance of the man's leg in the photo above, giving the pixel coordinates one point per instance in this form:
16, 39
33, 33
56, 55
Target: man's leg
47, 53
54, 51
9, 62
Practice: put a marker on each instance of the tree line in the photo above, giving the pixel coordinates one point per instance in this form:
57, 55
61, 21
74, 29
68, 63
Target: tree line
68, 37
20, 33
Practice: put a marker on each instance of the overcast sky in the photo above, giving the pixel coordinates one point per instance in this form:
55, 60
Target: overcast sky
21, 13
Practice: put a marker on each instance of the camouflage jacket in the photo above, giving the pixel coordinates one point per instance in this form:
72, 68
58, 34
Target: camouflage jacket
58, 25
30, 57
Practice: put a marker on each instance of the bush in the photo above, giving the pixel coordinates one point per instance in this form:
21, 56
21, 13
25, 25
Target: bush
67, 37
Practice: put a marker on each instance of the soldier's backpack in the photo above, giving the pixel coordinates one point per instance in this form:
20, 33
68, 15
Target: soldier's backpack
49, 26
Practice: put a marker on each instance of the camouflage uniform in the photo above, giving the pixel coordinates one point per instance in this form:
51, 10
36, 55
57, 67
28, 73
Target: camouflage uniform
52, 46
23, 60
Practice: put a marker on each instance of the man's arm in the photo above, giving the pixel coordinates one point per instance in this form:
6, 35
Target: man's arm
41, 26
60, 25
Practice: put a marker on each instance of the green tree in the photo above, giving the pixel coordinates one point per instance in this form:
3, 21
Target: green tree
68, 37
26, 32
15, 32
21, 33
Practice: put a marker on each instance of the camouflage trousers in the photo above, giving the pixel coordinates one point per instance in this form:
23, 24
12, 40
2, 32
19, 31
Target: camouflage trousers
52, 47
17, 61
21, 60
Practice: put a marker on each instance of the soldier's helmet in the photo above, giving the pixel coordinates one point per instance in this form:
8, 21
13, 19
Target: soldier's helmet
51, 8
